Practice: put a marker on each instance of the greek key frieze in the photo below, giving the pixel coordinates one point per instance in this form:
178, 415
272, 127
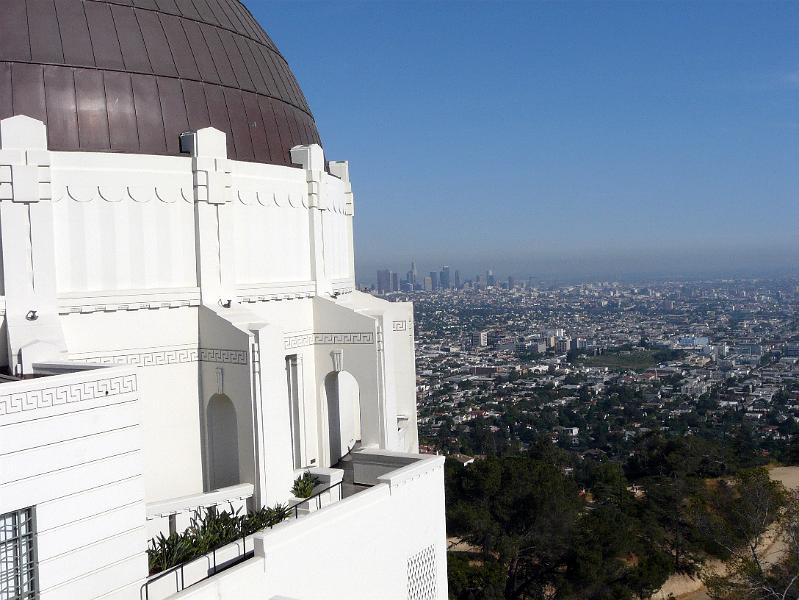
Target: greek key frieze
298, 341
66, 394
147, 359
158, 358
337, 339
399, 325
344, 338
217, 355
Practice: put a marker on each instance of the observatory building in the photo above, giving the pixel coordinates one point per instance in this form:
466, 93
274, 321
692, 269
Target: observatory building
181, 330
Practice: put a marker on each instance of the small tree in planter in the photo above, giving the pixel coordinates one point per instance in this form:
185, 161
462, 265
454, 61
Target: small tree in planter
304, 485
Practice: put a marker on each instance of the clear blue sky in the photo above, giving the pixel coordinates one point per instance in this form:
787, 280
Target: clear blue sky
558, 139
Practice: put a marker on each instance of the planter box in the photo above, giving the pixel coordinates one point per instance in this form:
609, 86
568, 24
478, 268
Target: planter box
161, 586
327, 478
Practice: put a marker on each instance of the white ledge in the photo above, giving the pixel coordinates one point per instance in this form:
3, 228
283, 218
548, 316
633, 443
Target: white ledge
191, 502
412, 471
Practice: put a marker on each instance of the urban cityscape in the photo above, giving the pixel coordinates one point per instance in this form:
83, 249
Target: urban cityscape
524, 360
599, 373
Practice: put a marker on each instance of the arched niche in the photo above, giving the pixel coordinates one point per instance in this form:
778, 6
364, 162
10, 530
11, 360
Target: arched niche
343, 407
223, 442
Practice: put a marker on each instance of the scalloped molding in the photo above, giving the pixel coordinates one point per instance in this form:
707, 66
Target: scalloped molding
136, 193
172, 194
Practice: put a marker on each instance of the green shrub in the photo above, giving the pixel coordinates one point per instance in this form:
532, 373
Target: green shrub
304, 485
166, 552
264, 518
209, 531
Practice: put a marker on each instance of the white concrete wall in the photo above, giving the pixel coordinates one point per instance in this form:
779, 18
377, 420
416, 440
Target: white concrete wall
274, 418
70, 446
127, 222
294, 321
122, 222
164, 343
397, 367
378, 532
252, 374
397, 323
272, 235
335, 220
388, 542
355, 336
228, 372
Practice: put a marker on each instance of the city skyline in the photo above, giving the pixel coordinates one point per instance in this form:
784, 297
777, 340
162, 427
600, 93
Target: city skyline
568, 140
370, 277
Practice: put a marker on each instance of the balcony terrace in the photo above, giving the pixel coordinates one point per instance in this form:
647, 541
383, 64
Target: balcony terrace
367, 508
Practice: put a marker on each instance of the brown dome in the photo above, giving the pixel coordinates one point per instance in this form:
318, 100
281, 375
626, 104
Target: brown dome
132, 75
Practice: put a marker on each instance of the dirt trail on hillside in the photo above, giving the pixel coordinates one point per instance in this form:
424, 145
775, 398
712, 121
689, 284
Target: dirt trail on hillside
683, 587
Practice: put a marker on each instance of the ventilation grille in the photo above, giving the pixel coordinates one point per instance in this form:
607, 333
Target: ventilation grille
422, 575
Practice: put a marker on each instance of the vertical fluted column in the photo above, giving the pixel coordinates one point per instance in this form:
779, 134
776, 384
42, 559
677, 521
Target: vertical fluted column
214, 215
341, 169
26, 219
312, 159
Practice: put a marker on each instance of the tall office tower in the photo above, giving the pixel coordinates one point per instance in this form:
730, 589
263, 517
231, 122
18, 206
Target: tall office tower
394, 281
434, 279
511, 282
479, 338
444, 279
383, 281
562, 345
428, 284
414, 276
180, 326
490, 279
456, 280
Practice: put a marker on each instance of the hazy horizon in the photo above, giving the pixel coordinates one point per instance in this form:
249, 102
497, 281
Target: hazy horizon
591, 265
558, 139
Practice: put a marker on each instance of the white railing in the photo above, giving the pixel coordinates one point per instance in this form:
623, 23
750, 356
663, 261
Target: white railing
175, 514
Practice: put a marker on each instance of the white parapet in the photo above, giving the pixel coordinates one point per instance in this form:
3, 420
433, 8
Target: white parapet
70, 453
391, 536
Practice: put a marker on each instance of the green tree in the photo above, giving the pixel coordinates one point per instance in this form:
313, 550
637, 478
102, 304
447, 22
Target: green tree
613, 559
737, 517
537, 538
472, 579
671, 470
522, 514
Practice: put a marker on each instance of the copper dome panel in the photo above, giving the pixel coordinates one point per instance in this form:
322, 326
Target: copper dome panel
132, 75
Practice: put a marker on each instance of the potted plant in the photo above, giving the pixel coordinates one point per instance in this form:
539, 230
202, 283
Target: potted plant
302, 489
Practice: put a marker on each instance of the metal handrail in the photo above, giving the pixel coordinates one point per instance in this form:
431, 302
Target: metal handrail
181, 585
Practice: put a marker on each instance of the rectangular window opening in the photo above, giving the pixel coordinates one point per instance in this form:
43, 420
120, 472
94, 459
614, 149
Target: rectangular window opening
17, 555
292, 381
